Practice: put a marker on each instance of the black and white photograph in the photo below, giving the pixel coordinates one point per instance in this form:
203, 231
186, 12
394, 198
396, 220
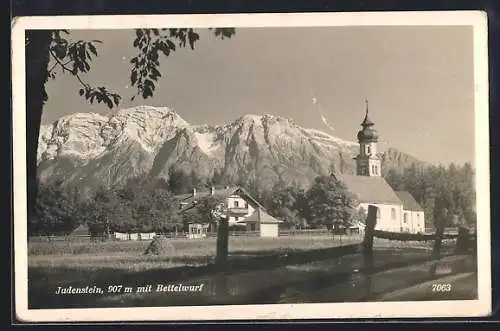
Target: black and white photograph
257, 166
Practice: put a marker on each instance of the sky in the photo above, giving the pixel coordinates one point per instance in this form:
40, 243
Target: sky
418, 81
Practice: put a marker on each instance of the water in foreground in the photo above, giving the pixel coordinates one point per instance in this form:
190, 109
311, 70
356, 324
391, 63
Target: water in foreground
331, 280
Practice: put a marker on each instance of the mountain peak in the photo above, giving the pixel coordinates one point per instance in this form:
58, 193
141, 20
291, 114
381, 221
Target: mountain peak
147, 140
144, 112
263, 118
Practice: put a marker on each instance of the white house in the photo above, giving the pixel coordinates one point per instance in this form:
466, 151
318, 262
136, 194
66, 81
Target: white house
265, 224
396, 211
239, 204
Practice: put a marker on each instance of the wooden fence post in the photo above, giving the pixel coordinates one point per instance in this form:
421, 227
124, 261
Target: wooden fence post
222, 241
371, 222
221, 282
463, 240
368, 262
436, 251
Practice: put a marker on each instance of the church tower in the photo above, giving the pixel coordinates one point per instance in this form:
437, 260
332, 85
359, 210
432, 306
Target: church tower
368, 162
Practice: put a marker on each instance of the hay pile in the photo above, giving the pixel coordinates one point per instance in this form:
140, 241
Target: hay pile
160, 246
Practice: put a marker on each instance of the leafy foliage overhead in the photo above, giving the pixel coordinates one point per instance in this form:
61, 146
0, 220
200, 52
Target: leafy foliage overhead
151, 43
75, 57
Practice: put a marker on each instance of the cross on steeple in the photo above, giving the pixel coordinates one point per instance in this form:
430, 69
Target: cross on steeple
366, 121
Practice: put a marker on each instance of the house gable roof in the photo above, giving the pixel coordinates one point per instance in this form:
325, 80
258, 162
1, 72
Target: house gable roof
409, 202
80, 230
189, 200
265, 218
370, 189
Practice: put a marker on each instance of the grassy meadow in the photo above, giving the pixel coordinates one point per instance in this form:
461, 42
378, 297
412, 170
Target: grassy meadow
130, 254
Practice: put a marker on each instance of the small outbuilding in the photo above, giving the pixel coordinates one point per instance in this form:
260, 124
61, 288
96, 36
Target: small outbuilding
197, 230
265, 224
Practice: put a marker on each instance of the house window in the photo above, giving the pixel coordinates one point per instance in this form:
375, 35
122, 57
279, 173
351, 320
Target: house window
393, 213
236, 218
405, 217
236, 203
368, 150
246, 205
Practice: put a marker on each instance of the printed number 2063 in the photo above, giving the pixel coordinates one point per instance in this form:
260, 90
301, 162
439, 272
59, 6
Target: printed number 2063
446, 287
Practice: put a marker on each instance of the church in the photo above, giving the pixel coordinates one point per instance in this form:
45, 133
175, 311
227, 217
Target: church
397, 211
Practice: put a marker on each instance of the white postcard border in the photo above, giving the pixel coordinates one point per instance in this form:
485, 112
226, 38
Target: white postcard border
480, 307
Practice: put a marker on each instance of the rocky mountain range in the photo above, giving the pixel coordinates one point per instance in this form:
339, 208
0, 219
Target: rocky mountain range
91, 149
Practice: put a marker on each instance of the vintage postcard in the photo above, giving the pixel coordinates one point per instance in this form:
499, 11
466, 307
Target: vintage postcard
251, 166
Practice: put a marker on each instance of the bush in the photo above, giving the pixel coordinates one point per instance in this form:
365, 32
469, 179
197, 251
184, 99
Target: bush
160, 246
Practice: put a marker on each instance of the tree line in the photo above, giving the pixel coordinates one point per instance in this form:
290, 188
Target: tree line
447, 194
151, 205
138, 206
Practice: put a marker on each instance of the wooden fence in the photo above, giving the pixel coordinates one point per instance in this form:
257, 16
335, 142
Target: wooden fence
463, 238
464, 242
184, 235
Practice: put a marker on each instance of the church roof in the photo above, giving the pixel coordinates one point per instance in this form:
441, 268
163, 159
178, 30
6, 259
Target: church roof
367, 121
370, 189
409, 202
368, 133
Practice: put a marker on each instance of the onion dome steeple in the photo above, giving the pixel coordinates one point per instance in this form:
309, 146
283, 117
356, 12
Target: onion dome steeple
368, 133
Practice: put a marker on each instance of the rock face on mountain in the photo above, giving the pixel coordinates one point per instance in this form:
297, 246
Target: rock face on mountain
394, 159
91, 149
